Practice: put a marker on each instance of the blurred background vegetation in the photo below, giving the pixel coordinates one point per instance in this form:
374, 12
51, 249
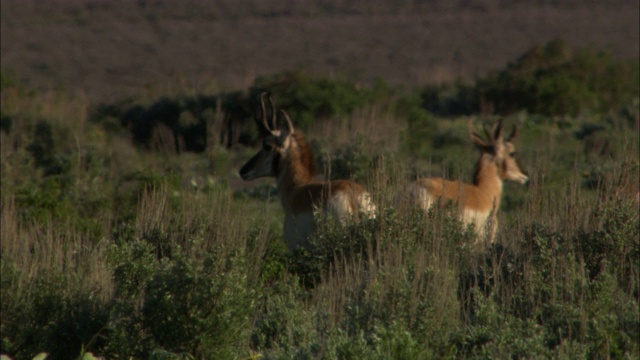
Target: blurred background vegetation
126, 231
114, 50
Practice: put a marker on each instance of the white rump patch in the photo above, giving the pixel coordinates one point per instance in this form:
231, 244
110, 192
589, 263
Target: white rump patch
366, 206
340, 205
345, 208
415, 195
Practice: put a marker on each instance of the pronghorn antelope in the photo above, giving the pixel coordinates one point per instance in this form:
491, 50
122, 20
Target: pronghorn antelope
479, 202
286, 156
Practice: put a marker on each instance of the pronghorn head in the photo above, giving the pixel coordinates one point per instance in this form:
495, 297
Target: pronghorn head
500, 151
276, 140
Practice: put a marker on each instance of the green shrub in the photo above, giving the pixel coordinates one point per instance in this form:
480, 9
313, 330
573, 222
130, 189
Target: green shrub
351, 161
201, 308
307, 98
450, 99
52, 318
549, 79
494, 334
189, 123
280, 324
553, 80
421, 125
614, 246
44, 152
55, 198
397, 299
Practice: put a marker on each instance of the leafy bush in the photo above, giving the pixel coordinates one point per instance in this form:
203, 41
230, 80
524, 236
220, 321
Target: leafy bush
53, 318
197, 122
553, 80
351, 161
169, 124
614, 247
449, 99
199, 307
307, 98
421, 125
549, 79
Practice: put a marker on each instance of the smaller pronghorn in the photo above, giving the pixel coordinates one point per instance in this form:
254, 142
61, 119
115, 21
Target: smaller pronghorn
479, 202
286, 156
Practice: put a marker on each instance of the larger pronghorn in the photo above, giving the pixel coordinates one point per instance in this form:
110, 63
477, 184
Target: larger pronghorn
478, 203
286, 156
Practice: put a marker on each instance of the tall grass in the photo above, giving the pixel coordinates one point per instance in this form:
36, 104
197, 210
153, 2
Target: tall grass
202, 271
409, 284
193, 273
56, 285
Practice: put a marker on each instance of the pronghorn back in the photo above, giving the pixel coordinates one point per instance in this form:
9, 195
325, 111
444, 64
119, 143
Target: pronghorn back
466, 195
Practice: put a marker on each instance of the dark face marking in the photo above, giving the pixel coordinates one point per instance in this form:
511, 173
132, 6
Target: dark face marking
266, 162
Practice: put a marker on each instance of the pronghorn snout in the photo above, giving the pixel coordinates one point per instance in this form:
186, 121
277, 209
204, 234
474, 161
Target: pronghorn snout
518, 176
260, 165
513, 172
522, 178
247, 171
246, 175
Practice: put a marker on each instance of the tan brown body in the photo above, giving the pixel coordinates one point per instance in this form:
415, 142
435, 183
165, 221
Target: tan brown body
287, 157
478, 202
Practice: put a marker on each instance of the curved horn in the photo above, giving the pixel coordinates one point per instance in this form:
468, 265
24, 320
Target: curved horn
290, 129
262, 121
274, 124
497, 131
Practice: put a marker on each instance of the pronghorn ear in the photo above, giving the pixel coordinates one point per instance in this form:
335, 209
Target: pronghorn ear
288, 129
477, 139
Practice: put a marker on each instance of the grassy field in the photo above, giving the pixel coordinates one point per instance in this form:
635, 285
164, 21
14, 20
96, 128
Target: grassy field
127, 232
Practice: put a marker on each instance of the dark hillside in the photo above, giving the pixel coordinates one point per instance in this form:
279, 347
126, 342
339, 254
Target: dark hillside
116, 49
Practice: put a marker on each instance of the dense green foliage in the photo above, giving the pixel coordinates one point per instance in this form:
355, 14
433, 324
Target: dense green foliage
127, 233
312, 98
197, 122
554, 80
549, 79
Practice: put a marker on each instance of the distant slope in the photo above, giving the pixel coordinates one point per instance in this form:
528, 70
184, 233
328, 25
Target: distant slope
116, 49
